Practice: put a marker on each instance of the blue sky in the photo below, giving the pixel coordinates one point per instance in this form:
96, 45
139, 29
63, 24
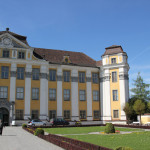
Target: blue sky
84, 25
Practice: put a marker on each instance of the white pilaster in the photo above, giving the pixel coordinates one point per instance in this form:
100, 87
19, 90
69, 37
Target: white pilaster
89, 95
59, 92
74, 95
124, 89
44, 93
27, 91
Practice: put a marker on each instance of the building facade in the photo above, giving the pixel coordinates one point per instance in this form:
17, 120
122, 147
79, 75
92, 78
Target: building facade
47, 83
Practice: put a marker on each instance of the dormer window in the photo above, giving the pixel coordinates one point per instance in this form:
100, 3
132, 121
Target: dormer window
113, 61
66, 59
21, 55
5, 53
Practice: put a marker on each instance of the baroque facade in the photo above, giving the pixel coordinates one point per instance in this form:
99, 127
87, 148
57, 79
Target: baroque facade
48, 83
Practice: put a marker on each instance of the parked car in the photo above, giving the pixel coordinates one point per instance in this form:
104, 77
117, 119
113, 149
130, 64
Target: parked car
58, 121
36, 122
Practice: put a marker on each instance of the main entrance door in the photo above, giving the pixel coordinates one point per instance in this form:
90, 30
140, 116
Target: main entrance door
4, 116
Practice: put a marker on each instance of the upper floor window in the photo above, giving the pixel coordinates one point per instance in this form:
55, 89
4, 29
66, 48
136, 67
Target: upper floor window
114, 76
95, 95
19, 114
82, 77
3, 92
4, 72
66, 94
52, 114
35, 93
82, 95
66, 76
21, 55
52, 94
35, 73
20, 93
115, 95
95, 77
113, 60
20, 73
52, 75
116, 113
5, 53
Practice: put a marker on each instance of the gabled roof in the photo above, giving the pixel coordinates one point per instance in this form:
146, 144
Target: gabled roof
56, 57
114, 49
17, 36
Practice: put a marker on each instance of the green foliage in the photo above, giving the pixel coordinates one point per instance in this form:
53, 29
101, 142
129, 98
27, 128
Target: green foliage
128, 111
24, 125
141, 90
109, 128
39, 131
123, 148
139, 107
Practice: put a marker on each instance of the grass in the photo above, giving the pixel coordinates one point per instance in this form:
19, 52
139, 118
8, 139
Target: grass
138, 140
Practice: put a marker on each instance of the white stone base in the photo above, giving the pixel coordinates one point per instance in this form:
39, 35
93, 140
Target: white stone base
74, 118
123, 117
106, 118
89, 118
42, 117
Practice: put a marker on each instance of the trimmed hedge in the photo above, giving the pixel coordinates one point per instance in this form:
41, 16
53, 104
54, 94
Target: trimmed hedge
109, 128
24, 125
123, 148
39, 131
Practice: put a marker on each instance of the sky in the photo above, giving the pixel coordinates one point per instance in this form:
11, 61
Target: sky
87, 26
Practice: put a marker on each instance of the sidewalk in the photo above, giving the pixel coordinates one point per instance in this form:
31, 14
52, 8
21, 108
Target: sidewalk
15, 138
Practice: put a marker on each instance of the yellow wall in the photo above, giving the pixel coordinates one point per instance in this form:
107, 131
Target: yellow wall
145, 119
115, 105
110, 57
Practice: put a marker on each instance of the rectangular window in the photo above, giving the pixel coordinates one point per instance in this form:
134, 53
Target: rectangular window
82, 114
82, 77
113, 60
35, 73
52, 94
20, 93
3, 92
96, 114
35, 114
21, 55
66, 94
95, 95
66, 114
115, 95
95, 77
19, 114
66, 76
114, 76
52, 114
116, 113
5, 53
52, 75
4, 72
35, 93
20, 73
82, 95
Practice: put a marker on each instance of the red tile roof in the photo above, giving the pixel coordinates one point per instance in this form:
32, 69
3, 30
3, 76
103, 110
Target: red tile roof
56, 57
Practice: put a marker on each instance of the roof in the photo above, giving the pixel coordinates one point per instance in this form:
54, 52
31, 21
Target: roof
56, 57
114, 49
17, 36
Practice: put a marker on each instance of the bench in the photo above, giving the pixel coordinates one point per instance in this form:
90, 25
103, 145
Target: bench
136, 123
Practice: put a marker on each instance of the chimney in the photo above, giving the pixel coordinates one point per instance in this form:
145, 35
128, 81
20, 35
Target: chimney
7, 29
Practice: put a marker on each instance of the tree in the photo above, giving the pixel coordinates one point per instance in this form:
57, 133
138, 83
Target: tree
141, 90
139, 108
128, 111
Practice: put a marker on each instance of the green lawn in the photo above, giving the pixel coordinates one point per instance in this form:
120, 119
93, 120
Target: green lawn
136, 140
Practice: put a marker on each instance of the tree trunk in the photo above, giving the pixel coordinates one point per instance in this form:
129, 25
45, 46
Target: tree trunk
140, 119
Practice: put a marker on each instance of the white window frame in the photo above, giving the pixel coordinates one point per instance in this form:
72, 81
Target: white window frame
82, 95
52, 75
81, 77
66, 76
3, 92
95, 77
52, 94
35, 74
4, 72
35, 93
95, 95
20, 73
20, 93
66, 94
113, 60
114, 113
114, 76
115, 95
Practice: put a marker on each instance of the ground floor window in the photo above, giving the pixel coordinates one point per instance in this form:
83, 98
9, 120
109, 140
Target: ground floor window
96, 114
116, 113
35, 114
52, 114
66, 114
19, 114
82, 114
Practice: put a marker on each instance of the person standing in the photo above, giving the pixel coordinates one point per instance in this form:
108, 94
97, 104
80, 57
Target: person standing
1, 127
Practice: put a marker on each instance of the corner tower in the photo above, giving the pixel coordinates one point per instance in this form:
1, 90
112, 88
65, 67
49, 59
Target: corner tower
114, 84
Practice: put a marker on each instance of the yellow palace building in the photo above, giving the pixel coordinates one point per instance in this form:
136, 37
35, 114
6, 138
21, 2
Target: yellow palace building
47, 83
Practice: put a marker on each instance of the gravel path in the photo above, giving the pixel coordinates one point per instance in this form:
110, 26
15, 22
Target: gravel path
15, 138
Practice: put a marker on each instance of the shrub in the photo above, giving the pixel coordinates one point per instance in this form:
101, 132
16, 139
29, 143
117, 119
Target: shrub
39, 131
123, 148
24, 125
109, 128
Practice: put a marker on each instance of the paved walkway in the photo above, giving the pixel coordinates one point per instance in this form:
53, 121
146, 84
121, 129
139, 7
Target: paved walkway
15, 138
